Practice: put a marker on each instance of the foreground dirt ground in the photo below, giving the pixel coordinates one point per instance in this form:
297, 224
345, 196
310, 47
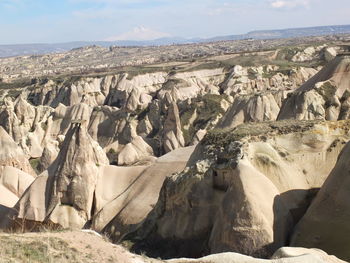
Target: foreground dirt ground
77, 246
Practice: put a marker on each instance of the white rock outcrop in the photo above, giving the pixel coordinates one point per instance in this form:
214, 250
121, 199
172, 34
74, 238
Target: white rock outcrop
325, 223
325, 96
244, 189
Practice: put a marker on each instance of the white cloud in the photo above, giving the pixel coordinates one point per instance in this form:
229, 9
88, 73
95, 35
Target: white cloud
288, 4
139, 33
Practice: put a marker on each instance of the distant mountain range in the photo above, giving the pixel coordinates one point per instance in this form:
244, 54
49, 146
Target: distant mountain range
37, 49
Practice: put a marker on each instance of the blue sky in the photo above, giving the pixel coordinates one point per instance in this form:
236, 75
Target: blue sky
50, 21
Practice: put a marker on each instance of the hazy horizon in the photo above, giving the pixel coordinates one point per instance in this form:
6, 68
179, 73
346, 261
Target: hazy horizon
24, 21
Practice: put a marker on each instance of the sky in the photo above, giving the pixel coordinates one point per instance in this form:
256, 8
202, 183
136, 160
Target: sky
54, 21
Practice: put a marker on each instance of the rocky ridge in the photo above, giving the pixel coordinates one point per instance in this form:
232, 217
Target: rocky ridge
243, 190
181, 162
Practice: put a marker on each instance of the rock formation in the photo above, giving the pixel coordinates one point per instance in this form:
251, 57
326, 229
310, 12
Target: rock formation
325, 96
64, 193
13, 183
283, 255
79, 187
253, 108
172, 134
134, 192
243, 190
325, 223
184, 158
12, 155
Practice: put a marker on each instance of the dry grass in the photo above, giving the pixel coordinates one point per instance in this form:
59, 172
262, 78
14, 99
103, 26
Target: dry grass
49, 249
63, 247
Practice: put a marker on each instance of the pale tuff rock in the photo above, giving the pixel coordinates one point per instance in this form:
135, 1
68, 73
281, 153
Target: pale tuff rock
49, 154
80, 187
105, 124
283, 255
25, 123
144, 127
306, 106
111, 90
242, 188
324, 96
305, 55
63, 117
134, 193
134, 92
12, 155
246, 221
308, 54
200, 115
330, 53
70, 182
199, 136
137, 100
135, 151
146, 96
192, 84
254, 108
172, 133
295, 252
248, 80
13, 183
254, 187
325, 223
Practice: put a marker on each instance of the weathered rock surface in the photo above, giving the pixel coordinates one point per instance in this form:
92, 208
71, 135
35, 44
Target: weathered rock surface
283, 255
12, 155
243, 190
253, 108
135, 192
13, 183
80, 187
64, 193
325, 96
325, 223
172, 134
308, 54
155, 106
250, 80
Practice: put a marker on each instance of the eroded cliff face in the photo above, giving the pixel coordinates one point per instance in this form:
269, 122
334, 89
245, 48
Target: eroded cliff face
80, 189
243, 190
325, 223
137, 117
117, 153
64, 193
325, 96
